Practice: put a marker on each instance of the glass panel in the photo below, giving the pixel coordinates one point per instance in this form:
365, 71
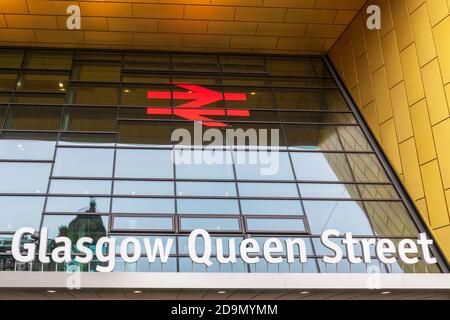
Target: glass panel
143, 223
26, 146
254, 135
321, 166
141, 113
369, 191
334, 100
366, 167
298, 99
135, 163
141, 205
87, 139
390, 219
207, 206
353, 138
48, 60
275, 225
221, 189
95, 95
89, 119
4, 98
86, 187
43, 82
11, 58
83, 162
272, 190
138, 61
198, 79
255, 115
144, 188
8, 81
210, 224
97, 71
344, 191
242, 64
145, 133
203, 164
40, 98
75, 227
145, 78
98, 55
271, 207
312, 137
77, 204
290, 67
195, 63
344, 216
17, 212
304, 116
256, 98
135, 96
34, 118
342, 117
25, 177
263, 165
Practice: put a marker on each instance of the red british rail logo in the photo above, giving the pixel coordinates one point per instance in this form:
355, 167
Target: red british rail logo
198, 97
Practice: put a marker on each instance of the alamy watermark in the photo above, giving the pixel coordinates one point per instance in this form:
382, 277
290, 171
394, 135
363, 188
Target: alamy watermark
244, 147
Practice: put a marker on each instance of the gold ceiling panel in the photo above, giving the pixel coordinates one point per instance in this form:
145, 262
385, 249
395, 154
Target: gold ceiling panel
265, 26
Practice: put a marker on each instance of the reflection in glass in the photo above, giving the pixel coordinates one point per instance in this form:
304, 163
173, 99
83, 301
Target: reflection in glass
366, 167
65, 186
77, 204
97, 71
43, 82
34, 118
298, 99
11, 148
136, 163
321, 166
95, 95
87, 139
142, 205
210, 224
312, 137
75, 227
40, 98
11, 58
17, 177
374, 191
203, 164
149, 133
89, 119
83, 162
143, 188
390, 219
207, 206
143, 223
344, 216
353, 138
273, 207
17, 212
271, 165
48, 60
8, 81
274, 190
222, 189
275, 225
322, 190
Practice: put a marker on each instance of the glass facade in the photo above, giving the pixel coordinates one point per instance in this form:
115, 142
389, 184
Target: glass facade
80, 154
